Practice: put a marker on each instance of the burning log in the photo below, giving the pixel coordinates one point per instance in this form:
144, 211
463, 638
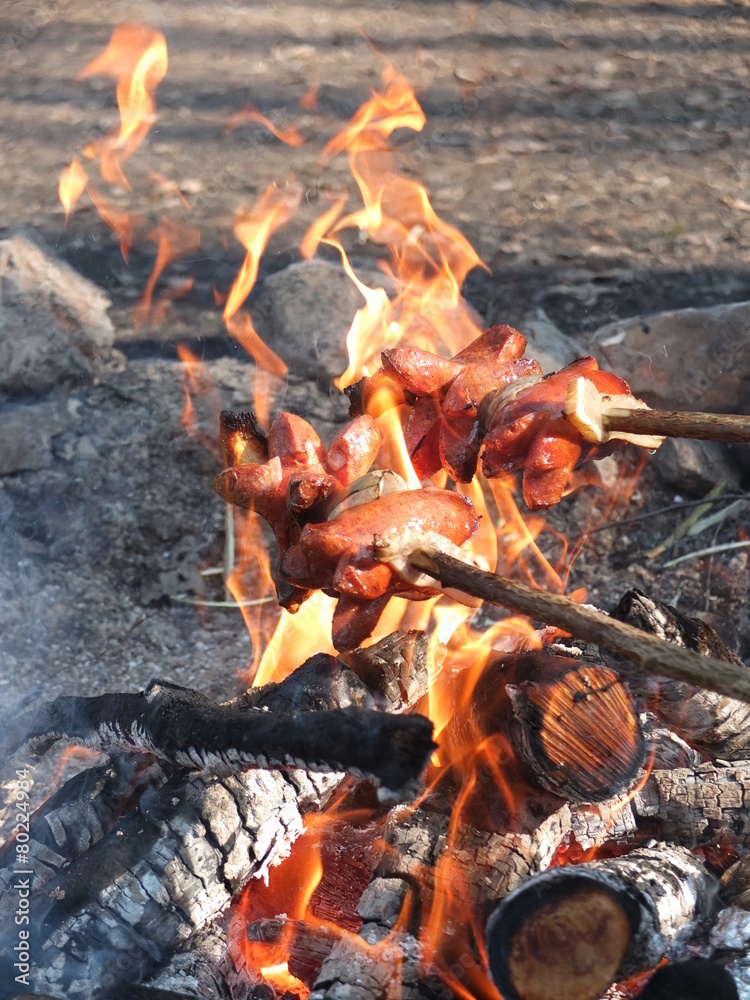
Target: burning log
578, 731
712, 722
646, 651
385, 955
571, 932
122, 908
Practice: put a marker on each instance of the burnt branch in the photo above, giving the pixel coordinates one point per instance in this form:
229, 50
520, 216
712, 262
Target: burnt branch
185, 730
712, 722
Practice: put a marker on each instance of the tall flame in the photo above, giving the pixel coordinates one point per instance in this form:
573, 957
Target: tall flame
136, 58
73, 181
420, 304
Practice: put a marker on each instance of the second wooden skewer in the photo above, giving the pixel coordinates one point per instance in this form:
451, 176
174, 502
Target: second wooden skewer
599, 418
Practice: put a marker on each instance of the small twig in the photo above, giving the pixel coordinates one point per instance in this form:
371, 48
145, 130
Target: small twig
647, 515
684, 527
202, 603
681, 424
726, 547
646, 651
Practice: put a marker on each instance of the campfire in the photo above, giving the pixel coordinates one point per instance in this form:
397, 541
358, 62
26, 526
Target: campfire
444, 777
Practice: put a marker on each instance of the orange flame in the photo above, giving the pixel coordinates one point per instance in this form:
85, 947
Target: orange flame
73, 181
122, 224
137, 58
202, 401
309, 101
313, 236
429, 258
253, 229
290, 136
172, 241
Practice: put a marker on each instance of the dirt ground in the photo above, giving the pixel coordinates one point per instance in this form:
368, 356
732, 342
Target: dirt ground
595, 154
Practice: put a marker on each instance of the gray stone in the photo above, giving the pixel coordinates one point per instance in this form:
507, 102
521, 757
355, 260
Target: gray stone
547, 343
25, 435
694, 467
304, 313
53, 322
691, 359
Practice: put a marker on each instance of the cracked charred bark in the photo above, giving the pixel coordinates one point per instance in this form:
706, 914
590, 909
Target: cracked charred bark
124, 905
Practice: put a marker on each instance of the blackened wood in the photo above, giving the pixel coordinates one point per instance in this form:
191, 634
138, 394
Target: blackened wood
717, 725
547, 939
646, 651
82, 811
355, 968
122, 909
187, 730
395, 668
693, 979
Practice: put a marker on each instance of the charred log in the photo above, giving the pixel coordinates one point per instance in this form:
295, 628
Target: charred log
571, 932
186, 730
123, 907
579, 732
384, 957
716, 725
690, 806
693, 979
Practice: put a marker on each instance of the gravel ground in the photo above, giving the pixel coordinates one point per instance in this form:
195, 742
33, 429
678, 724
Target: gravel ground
595, 154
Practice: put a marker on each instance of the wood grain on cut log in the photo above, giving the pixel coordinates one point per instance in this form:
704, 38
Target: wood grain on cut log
123, 907
716, 725
578, 730
572, 722
571, 932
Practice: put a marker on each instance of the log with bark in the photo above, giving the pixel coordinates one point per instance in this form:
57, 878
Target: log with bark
571, 932
714, 723
122, 907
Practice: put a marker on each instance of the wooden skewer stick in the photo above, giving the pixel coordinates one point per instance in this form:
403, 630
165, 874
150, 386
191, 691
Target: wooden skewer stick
647, 651
599, 418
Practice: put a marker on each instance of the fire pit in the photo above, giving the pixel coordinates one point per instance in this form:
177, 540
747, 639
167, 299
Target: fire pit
581, 816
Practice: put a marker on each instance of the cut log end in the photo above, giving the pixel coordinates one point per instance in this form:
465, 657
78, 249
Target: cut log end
570, 948
579, 733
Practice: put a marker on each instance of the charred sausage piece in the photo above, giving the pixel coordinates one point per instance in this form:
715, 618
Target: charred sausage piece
529, 432
338, 555
353, 450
